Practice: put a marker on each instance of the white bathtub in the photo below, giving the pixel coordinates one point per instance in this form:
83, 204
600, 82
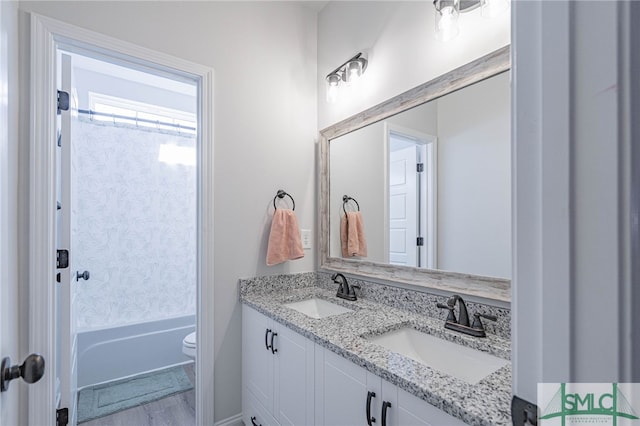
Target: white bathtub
113, 353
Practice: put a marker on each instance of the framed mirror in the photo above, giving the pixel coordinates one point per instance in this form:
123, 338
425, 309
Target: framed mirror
429, 172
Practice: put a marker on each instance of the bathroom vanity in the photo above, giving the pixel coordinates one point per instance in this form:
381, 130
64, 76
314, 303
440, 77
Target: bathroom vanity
321, 362
312, 358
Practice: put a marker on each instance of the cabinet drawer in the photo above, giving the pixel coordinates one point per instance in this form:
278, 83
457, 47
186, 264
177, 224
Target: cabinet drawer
253, 413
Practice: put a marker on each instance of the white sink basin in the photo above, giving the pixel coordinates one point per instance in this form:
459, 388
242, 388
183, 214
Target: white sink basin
318, 308
450, 358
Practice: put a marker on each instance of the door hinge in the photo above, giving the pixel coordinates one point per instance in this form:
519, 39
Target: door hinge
420, 167
62, 417
420, 241
62, 259
523, 412
63, 101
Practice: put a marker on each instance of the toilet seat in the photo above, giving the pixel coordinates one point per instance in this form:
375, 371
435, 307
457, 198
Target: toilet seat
189, 345
190, 340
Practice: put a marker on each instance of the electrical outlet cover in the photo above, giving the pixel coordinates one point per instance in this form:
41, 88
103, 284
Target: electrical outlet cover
305, 235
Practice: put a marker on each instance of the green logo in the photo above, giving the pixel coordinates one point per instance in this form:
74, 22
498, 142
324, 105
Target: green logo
566, 404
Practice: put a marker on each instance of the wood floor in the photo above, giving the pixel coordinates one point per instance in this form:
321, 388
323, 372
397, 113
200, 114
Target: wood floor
175, 410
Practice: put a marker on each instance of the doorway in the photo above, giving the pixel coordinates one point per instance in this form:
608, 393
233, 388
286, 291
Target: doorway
411, 201
49, 38
127, 214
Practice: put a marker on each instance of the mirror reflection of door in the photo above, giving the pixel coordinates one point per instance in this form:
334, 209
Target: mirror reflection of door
411, 212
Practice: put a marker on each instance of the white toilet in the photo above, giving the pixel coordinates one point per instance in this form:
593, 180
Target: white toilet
189, 345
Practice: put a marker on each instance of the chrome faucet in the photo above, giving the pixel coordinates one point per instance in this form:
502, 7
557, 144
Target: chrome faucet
344, 291
462, 323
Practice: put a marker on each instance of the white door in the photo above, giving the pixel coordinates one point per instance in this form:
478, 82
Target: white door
9, 283
403, 206
67, 350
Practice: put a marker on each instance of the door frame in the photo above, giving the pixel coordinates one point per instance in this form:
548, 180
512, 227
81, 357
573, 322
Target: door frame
428, 184
46, 35
4, 185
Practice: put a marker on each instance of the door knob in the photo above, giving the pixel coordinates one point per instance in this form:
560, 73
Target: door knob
31, 370
85, 275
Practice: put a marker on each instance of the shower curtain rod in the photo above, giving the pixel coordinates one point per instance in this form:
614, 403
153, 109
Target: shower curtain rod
134, 119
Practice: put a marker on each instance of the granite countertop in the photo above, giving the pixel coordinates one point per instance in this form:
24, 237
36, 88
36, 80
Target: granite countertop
486, 403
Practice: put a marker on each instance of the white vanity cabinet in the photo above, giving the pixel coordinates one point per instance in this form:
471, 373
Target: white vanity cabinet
341, 391
277, 366
347, 394
289, 380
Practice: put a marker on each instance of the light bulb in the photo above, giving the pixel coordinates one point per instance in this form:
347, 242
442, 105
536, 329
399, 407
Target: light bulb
447, 12
353, 71
333, 86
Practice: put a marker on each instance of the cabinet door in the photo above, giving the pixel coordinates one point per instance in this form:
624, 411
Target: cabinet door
341, 391
383, 394
294, 378
413, 411
257, 360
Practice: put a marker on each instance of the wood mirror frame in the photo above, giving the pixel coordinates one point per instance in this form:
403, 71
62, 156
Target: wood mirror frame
447, 281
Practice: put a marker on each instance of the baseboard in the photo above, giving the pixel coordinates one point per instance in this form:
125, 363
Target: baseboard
231, 421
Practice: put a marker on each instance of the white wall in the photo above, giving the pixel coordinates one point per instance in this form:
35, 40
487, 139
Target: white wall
265, 114
357, 169
403, 52
474, 179
149, 92
423, 119
13, 401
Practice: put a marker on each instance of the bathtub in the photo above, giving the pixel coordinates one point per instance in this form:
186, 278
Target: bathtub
114, 353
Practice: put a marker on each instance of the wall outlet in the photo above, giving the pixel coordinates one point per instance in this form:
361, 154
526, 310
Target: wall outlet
305, 234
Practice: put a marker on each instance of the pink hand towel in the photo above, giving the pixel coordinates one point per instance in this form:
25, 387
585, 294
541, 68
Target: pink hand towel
284, 239
352, 237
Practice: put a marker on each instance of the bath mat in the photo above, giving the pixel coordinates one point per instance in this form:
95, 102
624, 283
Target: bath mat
108, 398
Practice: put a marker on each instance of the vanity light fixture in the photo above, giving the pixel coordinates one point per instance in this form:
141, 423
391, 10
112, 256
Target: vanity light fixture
346, 74
448, 11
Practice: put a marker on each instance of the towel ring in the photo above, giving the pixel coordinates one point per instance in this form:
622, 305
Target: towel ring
345, 200
281, 193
